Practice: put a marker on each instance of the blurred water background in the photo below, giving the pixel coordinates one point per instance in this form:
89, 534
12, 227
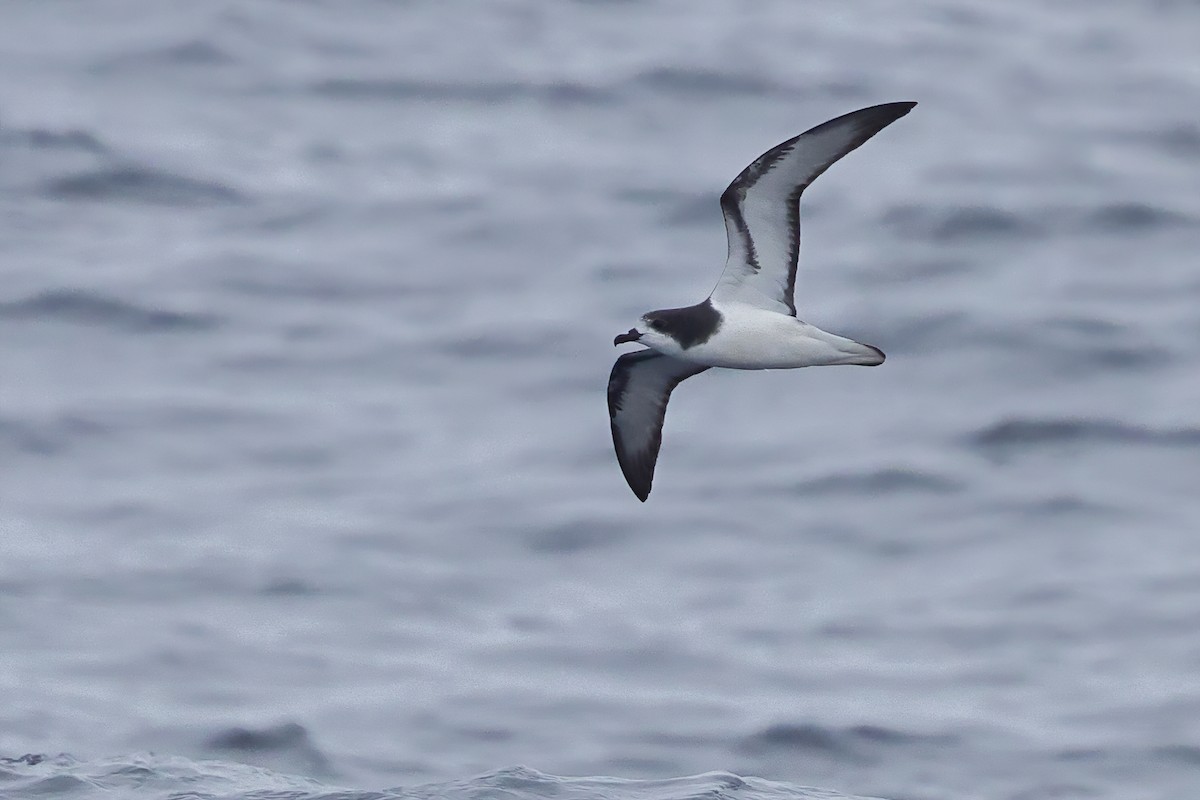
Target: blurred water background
305, 323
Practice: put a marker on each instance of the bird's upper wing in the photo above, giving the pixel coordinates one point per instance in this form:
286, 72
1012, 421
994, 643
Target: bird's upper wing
638, 390
762, 207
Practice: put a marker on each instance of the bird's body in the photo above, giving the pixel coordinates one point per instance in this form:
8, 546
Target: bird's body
749, 321
748, 337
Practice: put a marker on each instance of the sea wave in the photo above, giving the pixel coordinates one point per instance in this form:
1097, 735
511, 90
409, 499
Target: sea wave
84, 307
153, 777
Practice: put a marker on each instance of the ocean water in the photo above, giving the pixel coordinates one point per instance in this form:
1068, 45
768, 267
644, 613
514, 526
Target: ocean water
305, 471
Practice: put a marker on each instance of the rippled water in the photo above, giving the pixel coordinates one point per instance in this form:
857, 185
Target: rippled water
157, 777
304, 461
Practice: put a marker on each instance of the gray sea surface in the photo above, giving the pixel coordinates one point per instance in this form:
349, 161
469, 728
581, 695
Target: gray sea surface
306, 316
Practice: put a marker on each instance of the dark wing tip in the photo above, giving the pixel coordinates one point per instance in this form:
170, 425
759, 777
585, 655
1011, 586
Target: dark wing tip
877, 117
893, 111
640, 482
637, 468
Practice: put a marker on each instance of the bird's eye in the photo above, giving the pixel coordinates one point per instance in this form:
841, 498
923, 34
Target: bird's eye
655, 324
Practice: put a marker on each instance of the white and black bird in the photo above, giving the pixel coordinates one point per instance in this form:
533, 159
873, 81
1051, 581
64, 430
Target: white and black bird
749, 321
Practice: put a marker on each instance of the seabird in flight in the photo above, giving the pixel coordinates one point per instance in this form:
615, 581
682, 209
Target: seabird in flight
749, 321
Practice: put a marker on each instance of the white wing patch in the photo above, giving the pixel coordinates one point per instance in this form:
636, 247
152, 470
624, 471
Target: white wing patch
762, 207
638, 390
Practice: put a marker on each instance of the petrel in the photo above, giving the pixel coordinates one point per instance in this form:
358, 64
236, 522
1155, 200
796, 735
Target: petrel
749, 321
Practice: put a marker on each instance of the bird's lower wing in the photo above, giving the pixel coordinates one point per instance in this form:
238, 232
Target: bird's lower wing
638, 390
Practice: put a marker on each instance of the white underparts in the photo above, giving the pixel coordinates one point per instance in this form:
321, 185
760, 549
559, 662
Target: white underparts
754, 338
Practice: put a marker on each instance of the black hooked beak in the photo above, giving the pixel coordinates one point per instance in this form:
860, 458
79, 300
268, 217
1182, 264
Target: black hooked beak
632, 336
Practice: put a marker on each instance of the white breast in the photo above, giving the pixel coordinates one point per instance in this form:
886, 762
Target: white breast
753, 338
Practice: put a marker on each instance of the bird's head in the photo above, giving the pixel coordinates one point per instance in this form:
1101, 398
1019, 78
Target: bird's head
652, 330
